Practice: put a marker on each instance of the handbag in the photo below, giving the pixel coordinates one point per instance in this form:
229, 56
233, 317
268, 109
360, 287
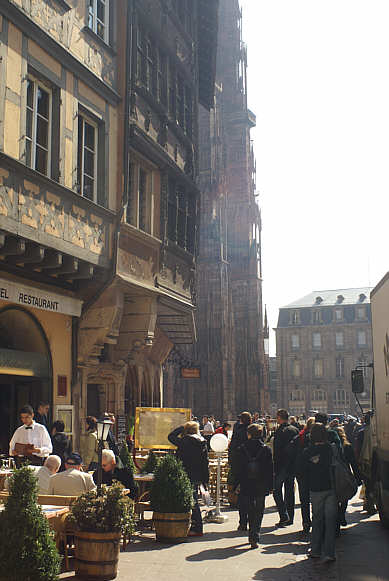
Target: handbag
344, 483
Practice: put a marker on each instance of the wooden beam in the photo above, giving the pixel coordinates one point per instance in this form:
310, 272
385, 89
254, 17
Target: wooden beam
53, 259
33, 255
69, 266
85, 271
13, 246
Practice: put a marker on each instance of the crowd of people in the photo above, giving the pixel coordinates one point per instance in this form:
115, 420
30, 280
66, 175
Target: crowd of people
59, 469
271, 457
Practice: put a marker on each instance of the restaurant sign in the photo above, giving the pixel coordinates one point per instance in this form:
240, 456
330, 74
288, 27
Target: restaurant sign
32, 297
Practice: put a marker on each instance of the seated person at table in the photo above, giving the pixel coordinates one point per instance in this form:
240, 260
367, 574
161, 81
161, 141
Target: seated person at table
71, 482
43, 473
112, 472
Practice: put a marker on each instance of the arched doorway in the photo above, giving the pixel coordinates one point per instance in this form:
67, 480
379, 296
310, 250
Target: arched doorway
25, 368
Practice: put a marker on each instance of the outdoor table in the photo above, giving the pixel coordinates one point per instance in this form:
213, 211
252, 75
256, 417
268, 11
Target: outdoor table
143, 479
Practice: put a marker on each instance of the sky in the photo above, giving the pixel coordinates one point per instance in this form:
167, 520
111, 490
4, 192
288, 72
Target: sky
318, 82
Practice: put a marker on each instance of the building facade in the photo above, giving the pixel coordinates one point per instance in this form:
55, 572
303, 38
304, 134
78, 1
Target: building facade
229, 318
98, 197
320, 339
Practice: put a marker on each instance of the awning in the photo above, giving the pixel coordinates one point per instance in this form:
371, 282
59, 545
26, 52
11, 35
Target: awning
25, 363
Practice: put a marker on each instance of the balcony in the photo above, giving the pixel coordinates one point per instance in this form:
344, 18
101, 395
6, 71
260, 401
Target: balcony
49, 229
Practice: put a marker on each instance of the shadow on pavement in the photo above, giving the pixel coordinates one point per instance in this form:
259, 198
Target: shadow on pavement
306, 570
220, 553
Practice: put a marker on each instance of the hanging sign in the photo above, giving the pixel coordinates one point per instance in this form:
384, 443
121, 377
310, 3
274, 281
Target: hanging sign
39, 299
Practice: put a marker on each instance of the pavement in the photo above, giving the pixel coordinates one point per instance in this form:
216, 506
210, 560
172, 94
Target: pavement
223, 554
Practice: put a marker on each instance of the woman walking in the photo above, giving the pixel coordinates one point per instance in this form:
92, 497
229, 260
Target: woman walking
351, 462
317, 468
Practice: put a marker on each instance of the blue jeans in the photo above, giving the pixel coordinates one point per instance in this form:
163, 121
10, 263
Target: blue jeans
304, 501
254, 507
324, 521
285, 505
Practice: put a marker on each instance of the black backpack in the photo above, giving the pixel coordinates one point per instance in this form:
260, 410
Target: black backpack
253, 465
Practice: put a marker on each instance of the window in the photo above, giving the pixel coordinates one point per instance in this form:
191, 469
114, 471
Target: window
361, 312
339, 367
140, 206
341, 398
38, 127
316, 340
318, 395
181, 217
339, 339
98, 18
295, 318
338, 314
296, 368
162, 78
297, 395
361, 338
316, 317
295, 342
87, 157
318, 368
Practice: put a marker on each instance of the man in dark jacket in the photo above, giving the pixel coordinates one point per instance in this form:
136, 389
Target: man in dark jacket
285, 449
255, 476
111, 472
193, 452
62, 446
239, 437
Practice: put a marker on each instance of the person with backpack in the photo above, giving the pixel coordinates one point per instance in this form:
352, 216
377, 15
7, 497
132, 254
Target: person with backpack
317, 468
286, 441
351, 463
304, 441
254, 475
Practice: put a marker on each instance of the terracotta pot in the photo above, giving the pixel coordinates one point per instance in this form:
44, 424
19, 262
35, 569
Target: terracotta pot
170, 526
97, 555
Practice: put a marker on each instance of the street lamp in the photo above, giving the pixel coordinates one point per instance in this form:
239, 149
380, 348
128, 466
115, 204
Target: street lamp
219, 444
103, 427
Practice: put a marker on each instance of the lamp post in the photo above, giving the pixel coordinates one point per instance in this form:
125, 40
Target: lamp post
219, 444
103, 427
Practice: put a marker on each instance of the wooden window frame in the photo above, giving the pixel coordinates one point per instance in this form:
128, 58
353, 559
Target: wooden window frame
33, 139
93, 19
80, 169
133, 214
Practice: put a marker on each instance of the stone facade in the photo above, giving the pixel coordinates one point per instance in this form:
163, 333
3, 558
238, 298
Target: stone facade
320, 339
230, 346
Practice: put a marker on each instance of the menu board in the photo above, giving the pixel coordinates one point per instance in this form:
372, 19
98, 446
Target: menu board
153, 425
122, 430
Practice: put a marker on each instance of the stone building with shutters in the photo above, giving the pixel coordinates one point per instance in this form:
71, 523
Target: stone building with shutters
320, 339
229, 316
98, 197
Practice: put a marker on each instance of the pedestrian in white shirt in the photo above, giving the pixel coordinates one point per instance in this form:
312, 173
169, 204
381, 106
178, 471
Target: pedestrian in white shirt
34, 437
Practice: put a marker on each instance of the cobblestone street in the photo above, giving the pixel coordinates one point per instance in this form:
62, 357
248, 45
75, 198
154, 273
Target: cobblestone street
224, 555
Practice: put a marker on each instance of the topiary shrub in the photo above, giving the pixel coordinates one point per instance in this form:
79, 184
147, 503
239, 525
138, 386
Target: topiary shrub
111, 512
171, 490
126, 458
27, 547
151, 464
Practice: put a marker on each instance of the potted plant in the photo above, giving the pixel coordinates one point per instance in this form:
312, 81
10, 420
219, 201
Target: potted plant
99, 523
27, 547
171, 499
151, 464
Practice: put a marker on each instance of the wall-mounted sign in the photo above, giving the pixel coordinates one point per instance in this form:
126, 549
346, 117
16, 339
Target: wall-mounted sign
32, 297
190, 372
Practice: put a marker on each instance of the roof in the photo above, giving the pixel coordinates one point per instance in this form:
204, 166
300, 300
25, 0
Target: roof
331, 298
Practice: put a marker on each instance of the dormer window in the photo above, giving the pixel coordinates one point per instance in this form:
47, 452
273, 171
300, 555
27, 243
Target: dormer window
318, 300
339, 299
362, 297
295, 318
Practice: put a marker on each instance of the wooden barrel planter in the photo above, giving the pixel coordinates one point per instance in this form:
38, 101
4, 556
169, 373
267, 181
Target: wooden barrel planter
170, 526
97, 555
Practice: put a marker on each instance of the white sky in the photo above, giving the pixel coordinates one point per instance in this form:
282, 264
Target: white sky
319, 85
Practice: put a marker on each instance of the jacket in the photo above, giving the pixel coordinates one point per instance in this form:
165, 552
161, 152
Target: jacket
239, 436
284, 457
61, 447
317, 467
72, 482
193, 453
264, 484
88, 448
122, 475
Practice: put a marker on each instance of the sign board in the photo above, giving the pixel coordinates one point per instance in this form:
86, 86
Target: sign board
44, 300
153, 425
65, 413
190, 372
121, 422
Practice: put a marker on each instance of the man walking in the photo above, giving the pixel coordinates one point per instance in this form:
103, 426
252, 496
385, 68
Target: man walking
285, 449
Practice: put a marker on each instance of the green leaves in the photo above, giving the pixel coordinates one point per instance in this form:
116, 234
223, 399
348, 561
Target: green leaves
151, 464
171, 490
109, 512
27, 548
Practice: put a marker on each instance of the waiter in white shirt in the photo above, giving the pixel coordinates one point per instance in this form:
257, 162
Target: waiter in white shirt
33, 436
